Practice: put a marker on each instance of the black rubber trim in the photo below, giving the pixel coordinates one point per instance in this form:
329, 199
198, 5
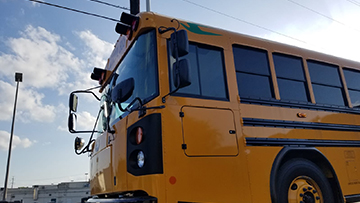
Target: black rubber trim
255, 141
299, 125
146, 199
352, 198
300, 105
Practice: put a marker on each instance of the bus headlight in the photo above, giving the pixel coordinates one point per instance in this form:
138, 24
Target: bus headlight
140, 159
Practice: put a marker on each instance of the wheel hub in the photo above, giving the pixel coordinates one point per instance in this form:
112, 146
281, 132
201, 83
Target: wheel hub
303, 189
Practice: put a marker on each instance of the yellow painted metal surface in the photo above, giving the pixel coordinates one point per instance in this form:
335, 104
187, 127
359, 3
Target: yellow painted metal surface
218, 166
118, 142
205, 133
101, 166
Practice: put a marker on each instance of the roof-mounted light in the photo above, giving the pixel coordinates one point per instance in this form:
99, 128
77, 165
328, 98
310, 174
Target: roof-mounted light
123, 30
99, 75
128, 24
131, 20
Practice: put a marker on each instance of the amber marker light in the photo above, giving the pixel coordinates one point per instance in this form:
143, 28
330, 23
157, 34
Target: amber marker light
139, 135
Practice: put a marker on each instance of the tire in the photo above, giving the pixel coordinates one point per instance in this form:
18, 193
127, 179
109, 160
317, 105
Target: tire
301, 181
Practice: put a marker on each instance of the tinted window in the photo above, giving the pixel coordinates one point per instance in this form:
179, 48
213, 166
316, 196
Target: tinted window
251, 60
140, 63
252, 72
326, 83
257, 85
290, 77
292, 90
207, 73
352, 78
322, 73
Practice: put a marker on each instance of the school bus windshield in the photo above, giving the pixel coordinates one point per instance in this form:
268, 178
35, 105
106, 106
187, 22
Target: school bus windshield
140, 63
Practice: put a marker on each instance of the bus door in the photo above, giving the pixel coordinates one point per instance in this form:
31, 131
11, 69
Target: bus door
101, 164
208, 131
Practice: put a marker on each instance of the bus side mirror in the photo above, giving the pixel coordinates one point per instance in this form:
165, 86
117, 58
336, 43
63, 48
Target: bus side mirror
181, 73
72, 122
79, 143
73, 102
123, 91
180, 43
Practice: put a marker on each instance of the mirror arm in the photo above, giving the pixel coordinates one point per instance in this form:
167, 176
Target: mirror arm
91, 140
163, 29
85, 131
163, 99
131, 103
88, 91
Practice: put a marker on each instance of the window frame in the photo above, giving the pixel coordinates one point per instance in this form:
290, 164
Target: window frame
304, 81
351, 89
199, 96
268, 77
339, 86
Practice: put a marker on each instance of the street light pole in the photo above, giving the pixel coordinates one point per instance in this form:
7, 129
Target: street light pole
18, 78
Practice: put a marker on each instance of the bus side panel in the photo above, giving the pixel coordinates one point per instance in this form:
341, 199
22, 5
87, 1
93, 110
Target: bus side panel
118, 141
346, 163
101, 180
260, 160
201, 178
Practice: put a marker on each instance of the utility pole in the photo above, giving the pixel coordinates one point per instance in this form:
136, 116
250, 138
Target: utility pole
147, 5
12, 182
18, 78
134, 7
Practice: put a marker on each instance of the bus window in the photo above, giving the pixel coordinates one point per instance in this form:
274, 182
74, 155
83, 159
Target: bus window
207, 73
252, 72
326, 83
352, 78
290, 77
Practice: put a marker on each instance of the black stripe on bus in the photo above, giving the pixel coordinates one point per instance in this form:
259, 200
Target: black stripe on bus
255, 141
300, 105
299, 125
352, 198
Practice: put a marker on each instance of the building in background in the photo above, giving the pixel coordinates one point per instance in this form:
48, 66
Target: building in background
67, 192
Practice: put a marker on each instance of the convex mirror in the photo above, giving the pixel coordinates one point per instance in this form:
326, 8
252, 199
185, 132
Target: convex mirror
180, 43
123, 91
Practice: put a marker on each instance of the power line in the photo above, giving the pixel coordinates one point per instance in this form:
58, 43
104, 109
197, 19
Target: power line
244, 21
325, 16
75, 10
316, 12
109, 4
354, 2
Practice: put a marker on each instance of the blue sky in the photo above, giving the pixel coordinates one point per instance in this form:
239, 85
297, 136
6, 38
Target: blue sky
56, 51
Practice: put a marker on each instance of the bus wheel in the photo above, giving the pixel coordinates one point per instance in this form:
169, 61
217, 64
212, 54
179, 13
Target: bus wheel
301, 181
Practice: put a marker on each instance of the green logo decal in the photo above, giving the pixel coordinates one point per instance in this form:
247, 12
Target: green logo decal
195, 28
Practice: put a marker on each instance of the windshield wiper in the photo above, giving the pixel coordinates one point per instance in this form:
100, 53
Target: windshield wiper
142, 109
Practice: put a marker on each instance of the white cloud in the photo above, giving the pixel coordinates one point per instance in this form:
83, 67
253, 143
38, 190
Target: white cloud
29, 104
46, 65
17, 141
38, 55
99, 50
338, 38
85, 121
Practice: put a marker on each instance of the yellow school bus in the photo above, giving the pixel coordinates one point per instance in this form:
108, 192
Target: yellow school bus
190, 113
